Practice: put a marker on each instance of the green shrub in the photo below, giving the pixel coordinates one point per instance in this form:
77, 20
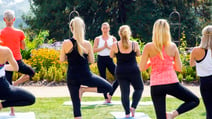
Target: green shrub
33, 44
189, 78
36, 77
180, 77
145, 75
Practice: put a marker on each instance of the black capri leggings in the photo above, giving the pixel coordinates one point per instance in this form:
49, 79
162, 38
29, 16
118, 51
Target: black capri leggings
135, 80
206, 92
159, 92
23, 68
104, 62
13, 96
91, 81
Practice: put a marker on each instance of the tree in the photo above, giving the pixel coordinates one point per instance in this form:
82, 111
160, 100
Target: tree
139, 14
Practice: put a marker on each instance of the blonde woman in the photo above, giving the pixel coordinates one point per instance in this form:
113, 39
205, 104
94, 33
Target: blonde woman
164, 60
79, 54
102, 46
201, 56
127, 71
11, 95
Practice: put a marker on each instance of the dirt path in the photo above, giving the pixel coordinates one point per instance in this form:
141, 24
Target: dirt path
62, 91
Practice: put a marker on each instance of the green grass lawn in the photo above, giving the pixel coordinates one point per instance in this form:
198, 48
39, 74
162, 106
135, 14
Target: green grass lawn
52, 108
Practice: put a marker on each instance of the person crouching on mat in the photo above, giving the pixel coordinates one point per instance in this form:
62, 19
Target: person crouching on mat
9, 94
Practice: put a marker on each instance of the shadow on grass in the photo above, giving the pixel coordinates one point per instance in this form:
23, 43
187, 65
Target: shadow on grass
203, 114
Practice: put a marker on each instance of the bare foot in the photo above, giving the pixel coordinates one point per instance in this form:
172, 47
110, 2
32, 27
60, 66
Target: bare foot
132, 110
127, 116
169, 115
109, 97
106, 101
12, 111
1, 106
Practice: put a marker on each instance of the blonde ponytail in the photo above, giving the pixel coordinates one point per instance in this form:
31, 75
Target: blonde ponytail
161, 35
125, 33
78, 29
206, 40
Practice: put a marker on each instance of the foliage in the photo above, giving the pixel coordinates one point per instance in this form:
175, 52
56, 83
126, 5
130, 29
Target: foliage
180, 77
44, 57
139, 14
33, 42
48, 67
189, 78
145, 75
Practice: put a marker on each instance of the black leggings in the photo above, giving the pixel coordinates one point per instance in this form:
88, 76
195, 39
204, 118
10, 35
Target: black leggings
91, 81
104, 62
137, 83
23, 68
159, 92
13, 96
206, 92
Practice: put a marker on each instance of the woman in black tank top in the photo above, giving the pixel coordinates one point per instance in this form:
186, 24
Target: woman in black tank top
79, 53
127, 71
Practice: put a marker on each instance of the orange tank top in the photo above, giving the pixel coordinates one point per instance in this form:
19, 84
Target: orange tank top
162, 71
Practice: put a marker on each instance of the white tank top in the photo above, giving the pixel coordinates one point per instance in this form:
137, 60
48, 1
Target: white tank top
106, 51
204, 67
2, 71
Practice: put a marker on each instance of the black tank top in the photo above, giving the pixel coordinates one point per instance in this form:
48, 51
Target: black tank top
126, 62
77, 65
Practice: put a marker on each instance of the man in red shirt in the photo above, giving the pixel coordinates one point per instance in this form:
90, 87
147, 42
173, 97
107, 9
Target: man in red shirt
14, 39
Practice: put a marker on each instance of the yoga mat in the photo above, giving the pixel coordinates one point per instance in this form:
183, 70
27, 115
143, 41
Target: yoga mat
18, 115
102, 103
138, 115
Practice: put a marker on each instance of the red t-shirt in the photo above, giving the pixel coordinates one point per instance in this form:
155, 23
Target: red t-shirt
12, 38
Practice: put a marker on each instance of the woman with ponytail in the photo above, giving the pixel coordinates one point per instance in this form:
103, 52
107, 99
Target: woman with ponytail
127, 71
79, 54
201, 56
164, 60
